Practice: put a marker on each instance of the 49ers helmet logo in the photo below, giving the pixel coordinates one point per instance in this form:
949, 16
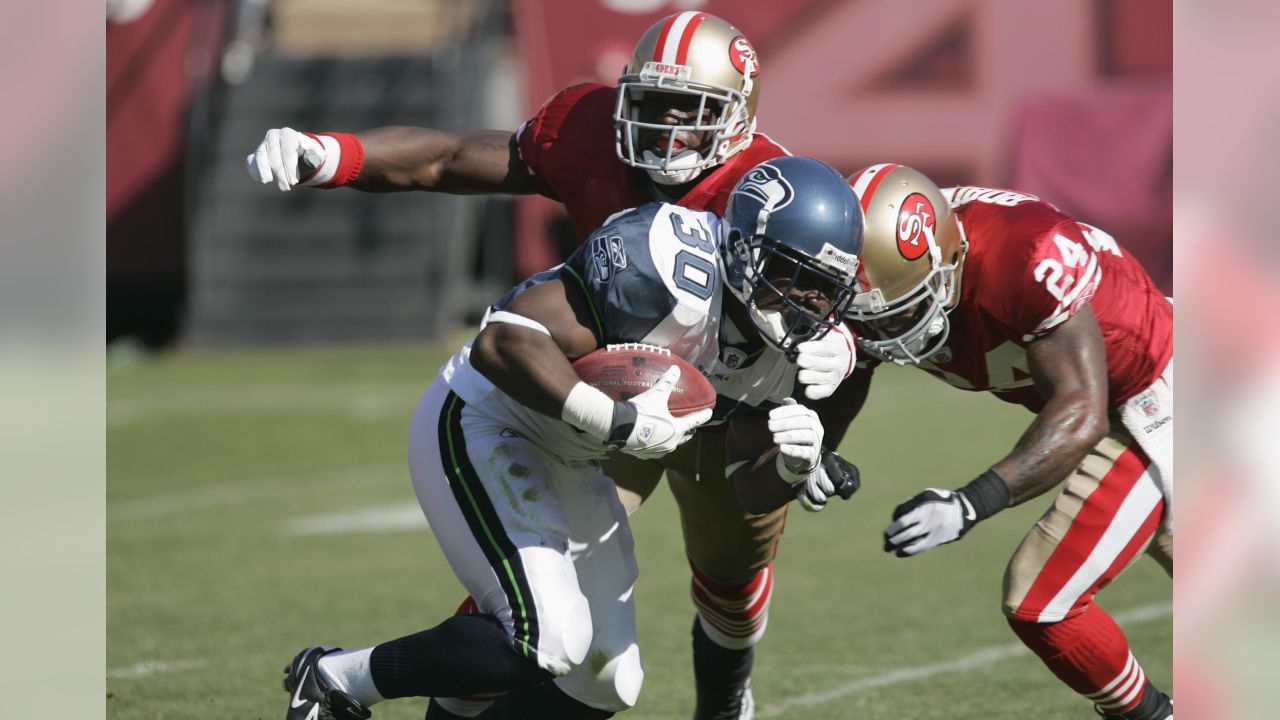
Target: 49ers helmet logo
916, 223
743, 57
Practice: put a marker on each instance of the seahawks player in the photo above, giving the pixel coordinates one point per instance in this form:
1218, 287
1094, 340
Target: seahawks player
505, 446
679, 126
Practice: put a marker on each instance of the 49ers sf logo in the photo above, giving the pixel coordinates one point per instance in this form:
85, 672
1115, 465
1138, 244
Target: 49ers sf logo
916, 223
742, 55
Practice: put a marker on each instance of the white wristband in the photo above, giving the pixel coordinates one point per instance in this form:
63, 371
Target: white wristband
589, 410
788, 475
332, 154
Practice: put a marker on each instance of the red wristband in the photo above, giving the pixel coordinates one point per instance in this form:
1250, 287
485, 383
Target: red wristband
350, 159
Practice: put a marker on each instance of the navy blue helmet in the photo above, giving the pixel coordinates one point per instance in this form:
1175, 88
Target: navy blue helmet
792, 236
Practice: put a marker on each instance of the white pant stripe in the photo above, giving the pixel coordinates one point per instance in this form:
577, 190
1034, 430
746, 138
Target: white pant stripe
1132, 513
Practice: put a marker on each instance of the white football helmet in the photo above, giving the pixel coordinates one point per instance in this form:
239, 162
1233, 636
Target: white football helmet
710, 63
912, 253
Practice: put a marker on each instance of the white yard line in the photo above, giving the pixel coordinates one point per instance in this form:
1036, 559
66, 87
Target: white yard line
153, 667
399, 517
974, 660
231, 493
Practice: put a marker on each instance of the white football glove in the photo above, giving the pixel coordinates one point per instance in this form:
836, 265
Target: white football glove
814, 490
797, 432
825, 362
278, 155
652, 431
932, 518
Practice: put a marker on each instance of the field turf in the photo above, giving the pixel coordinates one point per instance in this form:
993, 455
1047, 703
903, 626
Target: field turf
244, 489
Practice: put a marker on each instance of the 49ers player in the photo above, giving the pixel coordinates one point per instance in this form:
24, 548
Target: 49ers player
680, 127
998, 291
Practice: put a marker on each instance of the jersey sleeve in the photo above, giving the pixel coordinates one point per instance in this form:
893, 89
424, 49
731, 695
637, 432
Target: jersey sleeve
536, 139
1046, 270
616, 274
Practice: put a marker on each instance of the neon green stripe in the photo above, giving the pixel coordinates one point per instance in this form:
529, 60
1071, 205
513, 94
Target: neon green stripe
594, 315
457, 470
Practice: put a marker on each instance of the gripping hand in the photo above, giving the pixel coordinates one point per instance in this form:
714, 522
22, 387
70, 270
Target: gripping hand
645, 428
797, 432
286, 157
825, 362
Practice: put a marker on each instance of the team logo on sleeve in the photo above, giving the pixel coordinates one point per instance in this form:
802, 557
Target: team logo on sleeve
609, 255
766, 184
743, 57
916, 223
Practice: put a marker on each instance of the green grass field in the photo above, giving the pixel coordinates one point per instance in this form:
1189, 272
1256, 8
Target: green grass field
223, 466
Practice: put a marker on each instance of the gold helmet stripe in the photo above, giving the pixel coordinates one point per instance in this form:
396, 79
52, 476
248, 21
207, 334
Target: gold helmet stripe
672, 47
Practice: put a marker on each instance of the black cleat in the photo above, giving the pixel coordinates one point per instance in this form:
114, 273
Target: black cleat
1154, 705
311, 698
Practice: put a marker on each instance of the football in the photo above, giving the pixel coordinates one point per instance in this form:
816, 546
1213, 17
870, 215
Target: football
624, 371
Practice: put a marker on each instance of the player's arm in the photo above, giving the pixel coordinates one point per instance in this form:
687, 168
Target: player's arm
794, 464
830, 383
839, 410
1069, 367
392, 159
525, 351
410, 158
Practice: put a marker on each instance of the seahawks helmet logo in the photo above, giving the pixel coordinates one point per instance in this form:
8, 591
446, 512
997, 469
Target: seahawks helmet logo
766, 184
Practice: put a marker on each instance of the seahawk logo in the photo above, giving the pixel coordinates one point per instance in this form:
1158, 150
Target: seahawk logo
766, 184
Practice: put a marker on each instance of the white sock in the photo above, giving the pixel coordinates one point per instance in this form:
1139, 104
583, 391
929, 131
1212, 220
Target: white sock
348, 671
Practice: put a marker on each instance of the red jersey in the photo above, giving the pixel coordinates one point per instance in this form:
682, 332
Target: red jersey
1029, 268
568, 149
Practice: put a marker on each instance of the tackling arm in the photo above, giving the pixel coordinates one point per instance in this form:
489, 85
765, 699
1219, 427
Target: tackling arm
1069, 366
794, 464
410, 158
754, 475
392, 159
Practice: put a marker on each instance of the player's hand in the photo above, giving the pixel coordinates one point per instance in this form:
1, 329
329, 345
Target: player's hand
835, 476
825, 362
645, 428
932, 518
814, 490
797, 432
279, 156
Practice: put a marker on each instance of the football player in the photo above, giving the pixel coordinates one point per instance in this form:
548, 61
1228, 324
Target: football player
997, 291
505, 446
680, 126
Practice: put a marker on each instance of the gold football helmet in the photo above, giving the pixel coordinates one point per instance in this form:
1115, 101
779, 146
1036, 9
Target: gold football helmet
711, 69
912, 253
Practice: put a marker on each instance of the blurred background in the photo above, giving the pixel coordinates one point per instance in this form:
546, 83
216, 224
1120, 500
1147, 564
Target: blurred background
1068, 100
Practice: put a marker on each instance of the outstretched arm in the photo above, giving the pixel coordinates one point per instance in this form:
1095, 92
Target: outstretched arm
1069, 367
409, 158
392, 159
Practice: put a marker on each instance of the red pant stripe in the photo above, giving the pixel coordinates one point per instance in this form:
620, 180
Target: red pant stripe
1068, 566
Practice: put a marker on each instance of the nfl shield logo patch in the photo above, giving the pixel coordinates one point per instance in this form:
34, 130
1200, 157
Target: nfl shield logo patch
1148, 404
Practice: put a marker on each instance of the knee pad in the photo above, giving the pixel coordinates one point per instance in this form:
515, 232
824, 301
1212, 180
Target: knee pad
733, 616
612, 684
564, 635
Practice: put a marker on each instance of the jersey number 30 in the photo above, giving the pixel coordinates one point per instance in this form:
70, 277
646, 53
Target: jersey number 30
694, 273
